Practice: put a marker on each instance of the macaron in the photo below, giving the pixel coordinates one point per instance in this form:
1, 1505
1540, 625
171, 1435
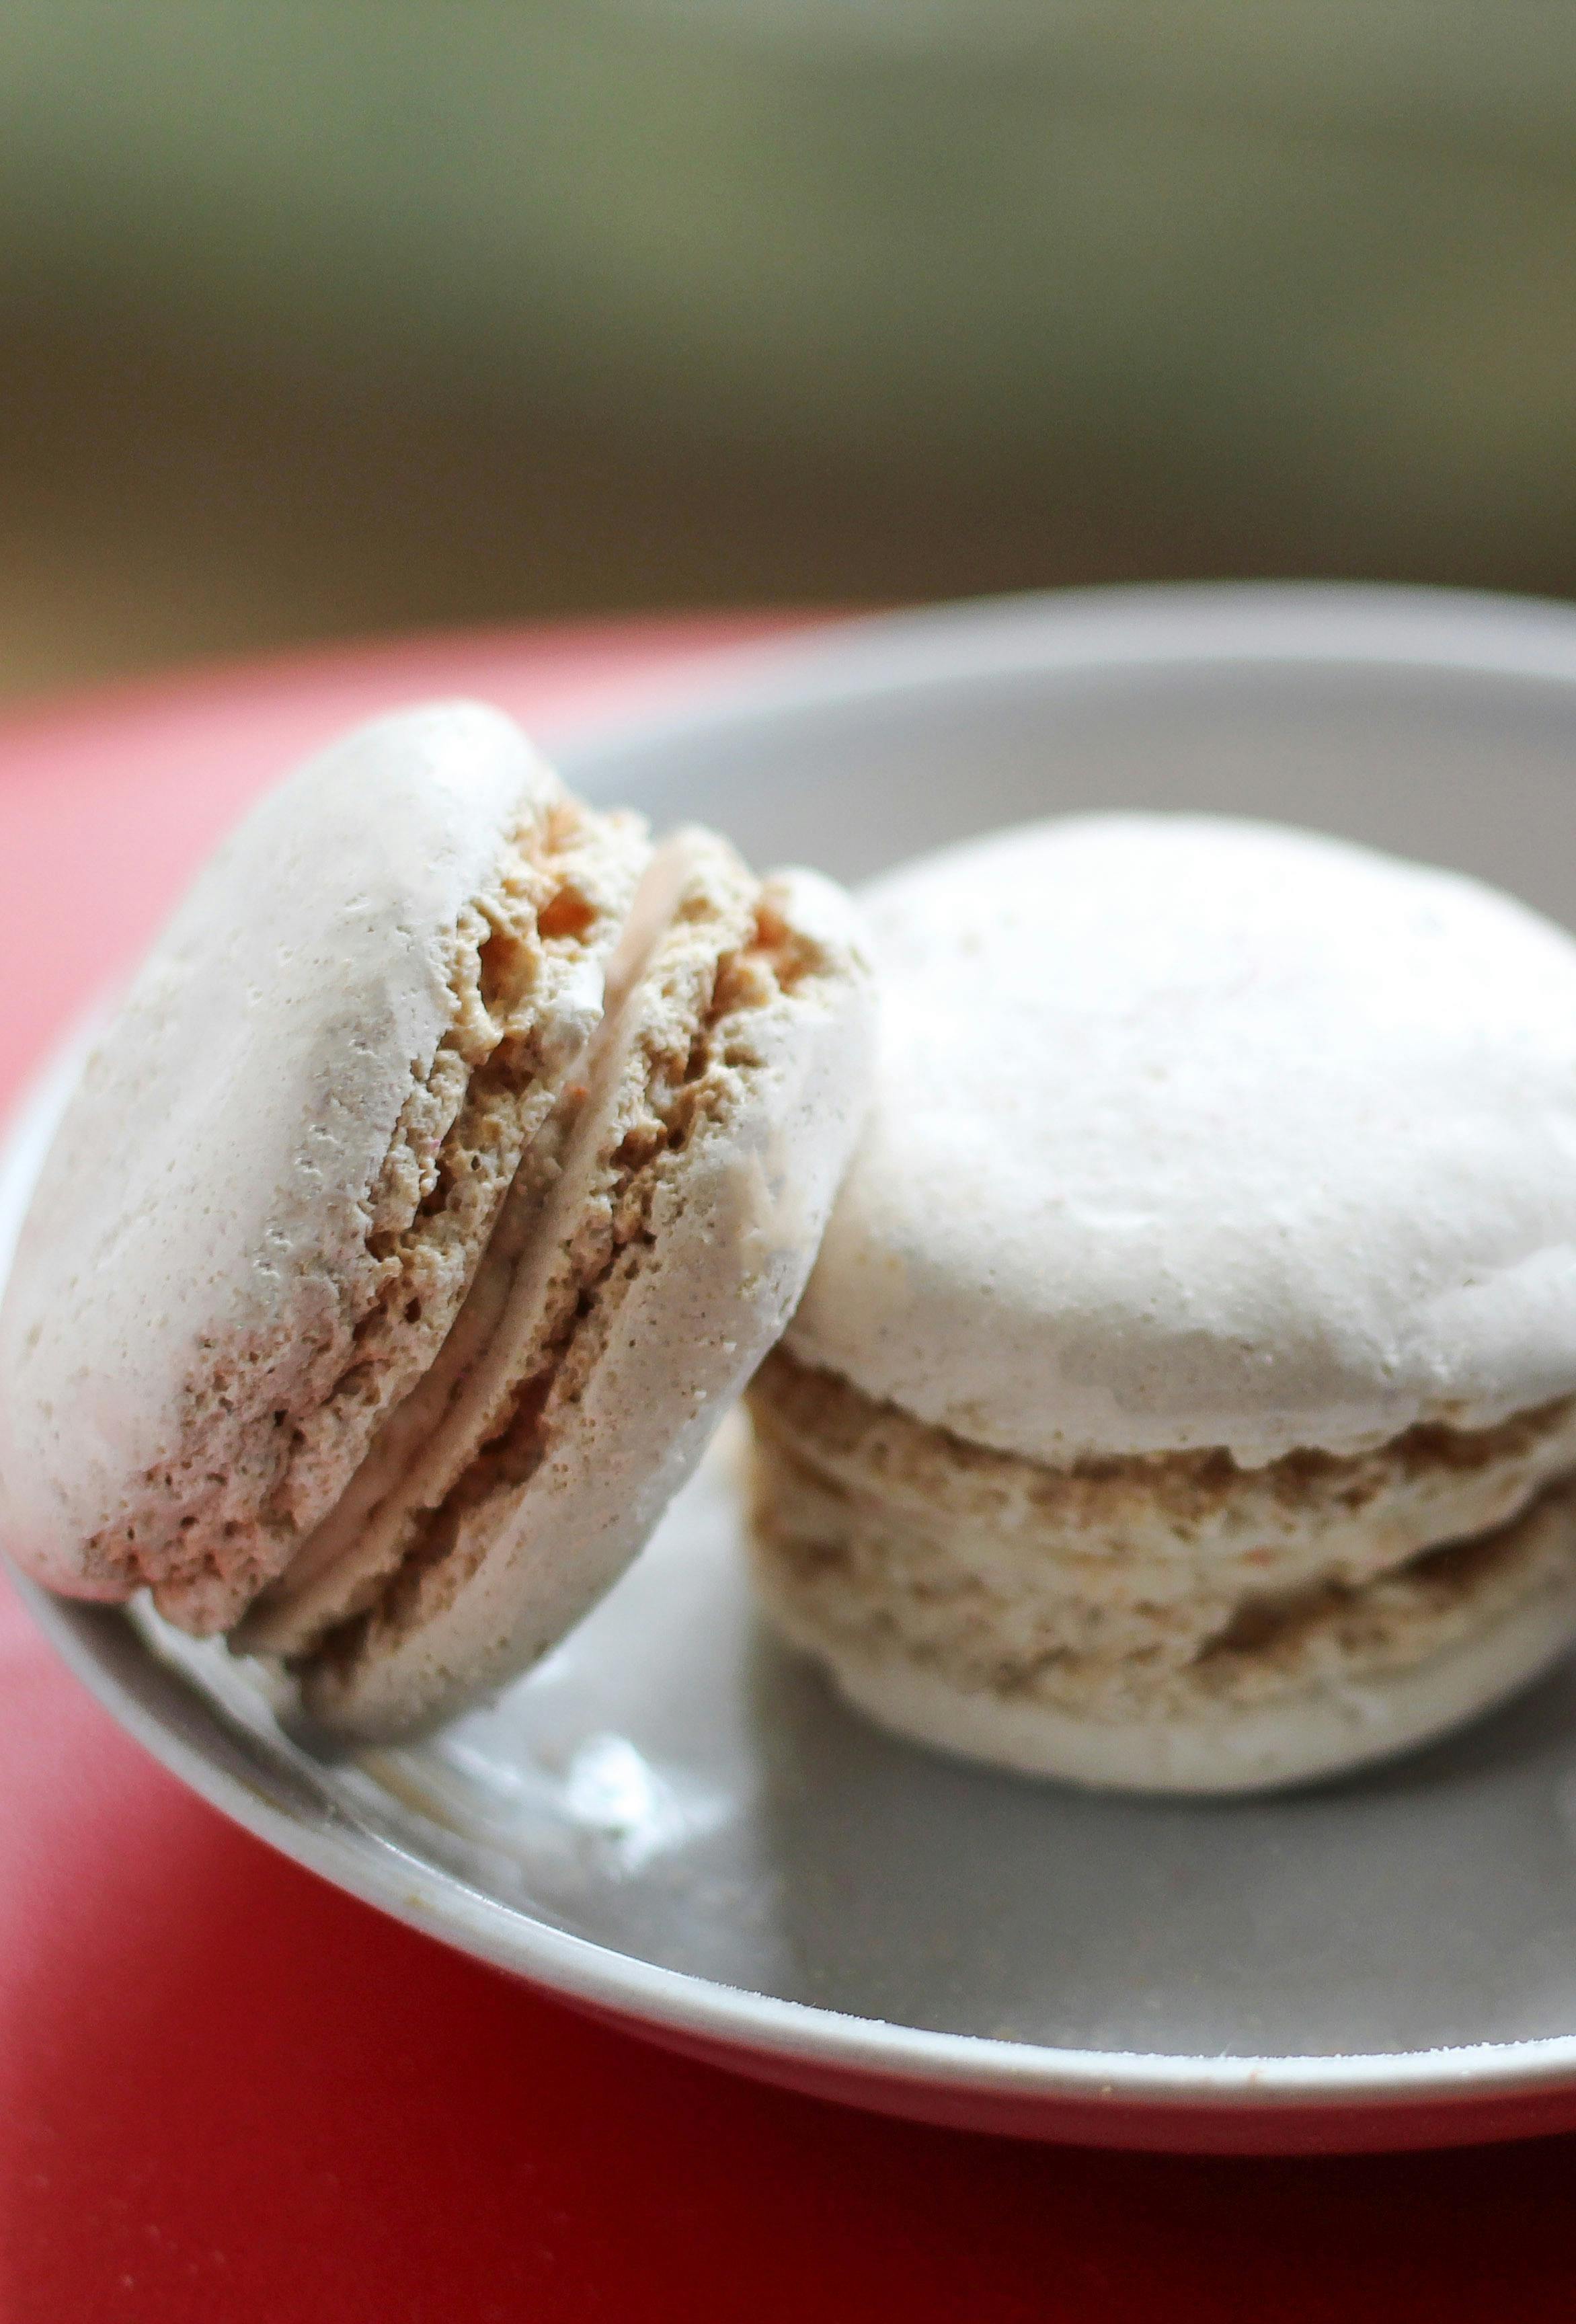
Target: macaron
451, 1161
1185, 1396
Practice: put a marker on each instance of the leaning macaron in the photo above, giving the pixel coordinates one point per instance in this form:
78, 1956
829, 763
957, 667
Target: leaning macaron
1184, 1398
452, 1158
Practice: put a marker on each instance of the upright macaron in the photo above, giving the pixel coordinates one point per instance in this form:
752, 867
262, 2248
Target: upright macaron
454, 1156
1185, 1394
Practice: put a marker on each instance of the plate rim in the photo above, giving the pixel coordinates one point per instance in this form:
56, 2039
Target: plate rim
1127, 626
1130, 628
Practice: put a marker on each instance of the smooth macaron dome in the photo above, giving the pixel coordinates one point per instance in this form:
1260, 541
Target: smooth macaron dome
443, 1105
1184, 1392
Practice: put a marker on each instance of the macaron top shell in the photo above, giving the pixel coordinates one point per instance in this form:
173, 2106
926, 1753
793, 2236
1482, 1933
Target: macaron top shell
1190, 1133
254, 1227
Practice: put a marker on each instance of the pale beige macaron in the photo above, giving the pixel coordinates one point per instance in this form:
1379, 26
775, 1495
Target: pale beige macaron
1184, 1398
453, 1159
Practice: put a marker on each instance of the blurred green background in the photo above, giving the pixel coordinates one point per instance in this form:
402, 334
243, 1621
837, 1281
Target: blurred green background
327, 315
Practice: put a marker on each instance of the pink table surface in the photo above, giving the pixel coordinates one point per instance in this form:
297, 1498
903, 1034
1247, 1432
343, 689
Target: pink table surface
229, 2093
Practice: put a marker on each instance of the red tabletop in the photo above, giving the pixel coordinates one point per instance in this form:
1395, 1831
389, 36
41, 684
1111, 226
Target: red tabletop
229, 2095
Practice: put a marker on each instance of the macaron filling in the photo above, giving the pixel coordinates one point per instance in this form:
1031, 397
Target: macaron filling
1165, 1588
701, 947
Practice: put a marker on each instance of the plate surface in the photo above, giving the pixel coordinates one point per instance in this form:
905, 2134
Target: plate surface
674, 1823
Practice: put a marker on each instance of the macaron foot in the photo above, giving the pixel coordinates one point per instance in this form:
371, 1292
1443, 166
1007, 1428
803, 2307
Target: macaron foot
1161, 1625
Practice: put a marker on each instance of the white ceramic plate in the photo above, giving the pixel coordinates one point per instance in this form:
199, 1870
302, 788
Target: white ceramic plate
674, 1823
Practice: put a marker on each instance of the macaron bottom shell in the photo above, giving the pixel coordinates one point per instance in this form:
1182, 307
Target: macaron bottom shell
1181, 1625
656, 1249
690, 1312
1321, 1731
